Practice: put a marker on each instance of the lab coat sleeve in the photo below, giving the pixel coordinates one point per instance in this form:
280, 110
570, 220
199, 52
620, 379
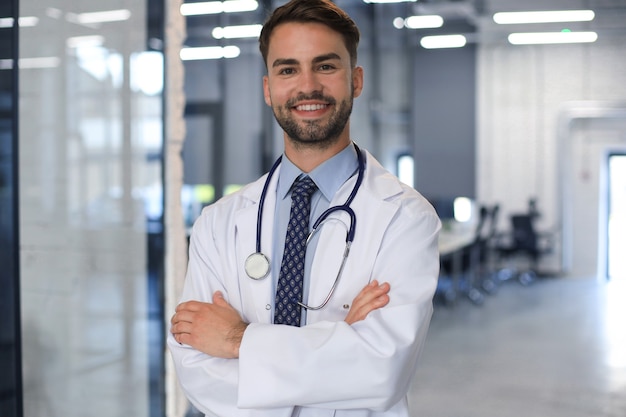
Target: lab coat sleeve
209, 383
368, 365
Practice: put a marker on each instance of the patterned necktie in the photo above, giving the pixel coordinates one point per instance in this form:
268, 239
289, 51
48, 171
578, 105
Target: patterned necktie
289, 288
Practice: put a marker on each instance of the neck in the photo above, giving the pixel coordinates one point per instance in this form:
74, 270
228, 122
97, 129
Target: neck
307, 158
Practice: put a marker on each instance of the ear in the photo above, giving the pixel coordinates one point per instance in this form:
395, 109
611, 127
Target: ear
357, 81
266, 91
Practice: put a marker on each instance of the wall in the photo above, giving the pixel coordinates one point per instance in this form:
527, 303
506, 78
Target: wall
444, 115
523, 92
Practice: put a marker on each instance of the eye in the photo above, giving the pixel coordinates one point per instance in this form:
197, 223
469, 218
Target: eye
286, 71
326, 67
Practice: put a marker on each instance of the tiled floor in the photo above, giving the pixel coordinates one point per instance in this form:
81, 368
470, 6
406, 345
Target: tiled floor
556, 348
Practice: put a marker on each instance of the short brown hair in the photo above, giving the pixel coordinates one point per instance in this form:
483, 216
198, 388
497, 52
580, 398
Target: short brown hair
312, 11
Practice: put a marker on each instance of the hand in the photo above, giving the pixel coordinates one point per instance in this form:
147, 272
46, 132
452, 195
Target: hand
213, 328
372, 297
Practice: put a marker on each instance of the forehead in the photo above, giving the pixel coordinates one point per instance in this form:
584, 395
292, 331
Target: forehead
302, 41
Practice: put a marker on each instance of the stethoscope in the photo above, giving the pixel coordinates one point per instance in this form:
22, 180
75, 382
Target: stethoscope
257, 265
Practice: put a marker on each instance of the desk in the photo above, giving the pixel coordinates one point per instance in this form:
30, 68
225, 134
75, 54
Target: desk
451, 242
454, 243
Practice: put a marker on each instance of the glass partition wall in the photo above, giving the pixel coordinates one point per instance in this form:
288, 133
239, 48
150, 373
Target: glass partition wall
10, 370
91, 207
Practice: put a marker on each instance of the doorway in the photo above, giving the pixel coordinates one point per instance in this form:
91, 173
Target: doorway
616, 225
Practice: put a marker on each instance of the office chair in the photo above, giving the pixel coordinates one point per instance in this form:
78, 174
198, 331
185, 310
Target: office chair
522, 242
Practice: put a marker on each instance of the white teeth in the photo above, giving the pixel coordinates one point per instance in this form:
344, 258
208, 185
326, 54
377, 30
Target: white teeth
310, 107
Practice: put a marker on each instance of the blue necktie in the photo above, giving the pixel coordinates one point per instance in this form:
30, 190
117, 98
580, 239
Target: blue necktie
290, 279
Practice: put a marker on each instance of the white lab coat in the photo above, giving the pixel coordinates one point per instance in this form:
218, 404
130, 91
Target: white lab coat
326, 367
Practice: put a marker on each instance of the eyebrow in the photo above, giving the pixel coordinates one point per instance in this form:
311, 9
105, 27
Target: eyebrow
292, 61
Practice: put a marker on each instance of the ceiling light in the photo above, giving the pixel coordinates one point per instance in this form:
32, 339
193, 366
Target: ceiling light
99, 17
84, 41
26, 21
423, 22
508, 18
209, 52
533, 38
215, 7
443, 41
232, 32
388, 1
42, 62
6, 64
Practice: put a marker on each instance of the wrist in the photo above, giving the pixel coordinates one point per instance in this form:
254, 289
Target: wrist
236, 336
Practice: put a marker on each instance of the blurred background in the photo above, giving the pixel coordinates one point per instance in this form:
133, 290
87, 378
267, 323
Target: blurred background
121, 120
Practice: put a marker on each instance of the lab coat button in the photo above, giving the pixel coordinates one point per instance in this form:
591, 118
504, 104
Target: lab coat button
268, 307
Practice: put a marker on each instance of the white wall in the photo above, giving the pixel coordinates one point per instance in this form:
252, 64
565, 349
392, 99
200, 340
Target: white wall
524, 93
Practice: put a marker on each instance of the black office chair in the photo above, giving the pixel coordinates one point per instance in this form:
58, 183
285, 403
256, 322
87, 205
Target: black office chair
522, 243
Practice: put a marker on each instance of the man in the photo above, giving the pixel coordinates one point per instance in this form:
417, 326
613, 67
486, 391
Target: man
243, 348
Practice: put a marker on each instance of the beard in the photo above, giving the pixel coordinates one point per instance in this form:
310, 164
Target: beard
314, 133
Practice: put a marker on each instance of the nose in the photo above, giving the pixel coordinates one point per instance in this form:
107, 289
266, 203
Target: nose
309, 82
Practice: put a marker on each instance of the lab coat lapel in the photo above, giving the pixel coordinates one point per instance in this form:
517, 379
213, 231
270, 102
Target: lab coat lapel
256, 295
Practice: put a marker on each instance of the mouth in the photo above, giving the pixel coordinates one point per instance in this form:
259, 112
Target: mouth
310, 107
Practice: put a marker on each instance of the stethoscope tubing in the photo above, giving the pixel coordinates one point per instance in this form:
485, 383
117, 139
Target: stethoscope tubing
345, 206
257, 264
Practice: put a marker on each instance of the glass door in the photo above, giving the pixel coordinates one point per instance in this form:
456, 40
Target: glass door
617, 217
91, 209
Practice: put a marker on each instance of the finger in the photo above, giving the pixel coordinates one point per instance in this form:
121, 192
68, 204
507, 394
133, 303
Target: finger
371, 292
220, 301
182, 338
371, 298
190, 306
180, 328
218, 297
183, 316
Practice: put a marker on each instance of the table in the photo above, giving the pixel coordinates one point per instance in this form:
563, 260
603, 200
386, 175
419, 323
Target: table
454, 242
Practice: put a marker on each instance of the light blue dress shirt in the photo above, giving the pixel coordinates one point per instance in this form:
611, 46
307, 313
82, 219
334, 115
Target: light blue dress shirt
329, 177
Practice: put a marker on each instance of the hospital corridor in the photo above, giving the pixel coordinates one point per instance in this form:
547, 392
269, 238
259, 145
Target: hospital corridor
502, 121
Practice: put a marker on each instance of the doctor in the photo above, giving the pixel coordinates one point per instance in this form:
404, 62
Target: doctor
356, 354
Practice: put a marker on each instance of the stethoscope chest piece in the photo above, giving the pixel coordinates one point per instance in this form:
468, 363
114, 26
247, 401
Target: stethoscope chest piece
257, 266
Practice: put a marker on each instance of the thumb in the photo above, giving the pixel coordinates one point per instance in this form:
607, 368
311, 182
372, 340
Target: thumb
218, 298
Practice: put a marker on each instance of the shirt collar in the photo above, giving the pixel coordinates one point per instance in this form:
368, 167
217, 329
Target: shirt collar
328, 176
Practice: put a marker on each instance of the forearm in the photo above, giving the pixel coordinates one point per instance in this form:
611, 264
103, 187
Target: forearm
331, 364
209, 383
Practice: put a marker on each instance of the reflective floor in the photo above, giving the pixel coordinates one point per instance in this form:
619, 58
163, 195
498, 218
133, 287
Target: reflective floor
555, 348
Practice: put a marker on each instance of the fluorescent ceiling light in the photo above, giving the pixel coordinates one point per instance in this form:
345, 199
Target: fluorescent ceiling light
423, 22
26, 21
419, 22
215, 7
43, 62
232, 32
209, 52
99, 17
6, 64
443, 41
84, 41
508, 18
388, 1
533, 38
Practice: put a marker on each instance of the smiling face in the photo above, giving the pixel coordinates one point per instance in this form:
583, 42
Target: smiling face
311, 85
